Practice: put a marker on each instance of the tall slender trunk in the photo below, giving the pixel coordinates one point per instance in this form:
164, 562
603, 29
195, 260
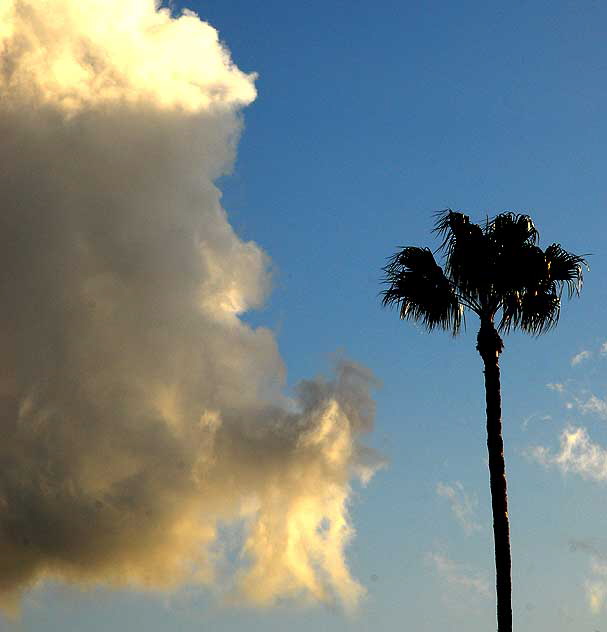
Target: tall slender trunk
489, 345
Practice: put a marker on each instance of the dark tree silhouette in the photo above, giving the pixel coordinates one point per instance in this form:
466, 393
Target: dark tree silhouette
497, 271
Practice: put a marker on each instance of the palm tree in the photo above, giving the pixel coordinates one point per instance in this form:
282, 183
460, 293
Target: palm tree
497, 271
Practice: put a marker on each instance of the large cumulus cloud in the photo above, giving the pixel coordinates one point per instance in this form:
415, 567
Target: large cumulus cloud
138, 412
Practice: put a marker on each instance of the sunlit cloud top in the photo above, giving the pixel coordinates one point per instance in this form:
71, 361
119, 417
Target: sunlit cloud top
76, 54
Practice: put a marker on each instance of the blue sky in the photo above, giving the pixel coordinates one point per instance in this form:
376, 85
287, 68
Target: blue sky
368, 119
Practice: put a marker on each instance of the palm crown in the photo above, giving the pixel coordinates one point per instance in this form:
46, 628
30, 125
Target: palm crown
495, 270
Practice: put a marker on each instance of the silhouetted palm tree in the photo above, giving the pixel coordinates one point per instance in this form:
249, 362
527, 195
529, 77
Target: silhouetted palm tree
497, 271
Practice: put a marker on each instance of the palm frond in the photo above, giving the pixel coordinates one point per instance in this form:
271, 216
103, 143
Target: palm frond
565, 269
540, 311
511, 311
464, 245
510, 230
454, 228
419, 288
533, 311
530, 282
517, 268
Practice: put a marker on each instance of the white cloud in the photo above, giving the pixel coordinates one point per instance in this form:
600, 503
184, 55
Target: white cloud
139, 411
595, 585
580, 357
596, 590
604, 348
594, 405
557, 386
103, 52
585, 403
462, 505
460, 577
577, 454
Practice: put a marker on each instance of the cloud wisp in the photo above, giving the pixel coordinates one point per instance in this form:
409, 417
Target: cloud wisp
462, 505
580, 357
558, 387
592, 405
595, 585
459, 577
580, 399
139, 412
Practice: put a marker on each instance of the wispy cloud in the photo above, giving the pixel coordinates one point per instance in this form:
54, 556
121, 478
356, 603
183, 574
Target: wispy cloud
595, 585
587, 546
580, 357
579, 397
584, 401
462, 505
577, 454
592, 405
556, 386
535, 417
460, 576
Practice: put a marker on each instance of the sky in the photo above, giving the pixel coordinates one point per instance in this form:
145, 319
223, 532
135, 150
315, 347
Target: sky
212, 423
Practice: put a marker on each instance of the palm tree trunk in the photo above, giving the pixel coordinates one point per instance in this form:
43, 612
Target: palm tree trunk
489, 345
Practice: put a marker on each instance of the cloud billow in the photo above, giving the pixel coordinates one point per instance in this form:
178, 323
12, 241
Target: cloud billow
138, 411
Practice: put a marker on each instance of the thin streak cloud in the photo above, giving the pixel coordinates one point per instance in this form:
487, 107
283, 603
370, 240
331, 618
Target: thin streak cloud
580, 357
462, 505
458, 576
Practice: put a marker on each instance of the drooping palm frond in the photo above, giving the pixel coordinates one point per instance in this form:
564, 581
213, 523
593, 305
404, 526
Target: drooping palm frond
529, 281
565, 269
515, 262
534, 311
418, 286
454, 228
540, 311
522, 290
508, 230
464, 245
